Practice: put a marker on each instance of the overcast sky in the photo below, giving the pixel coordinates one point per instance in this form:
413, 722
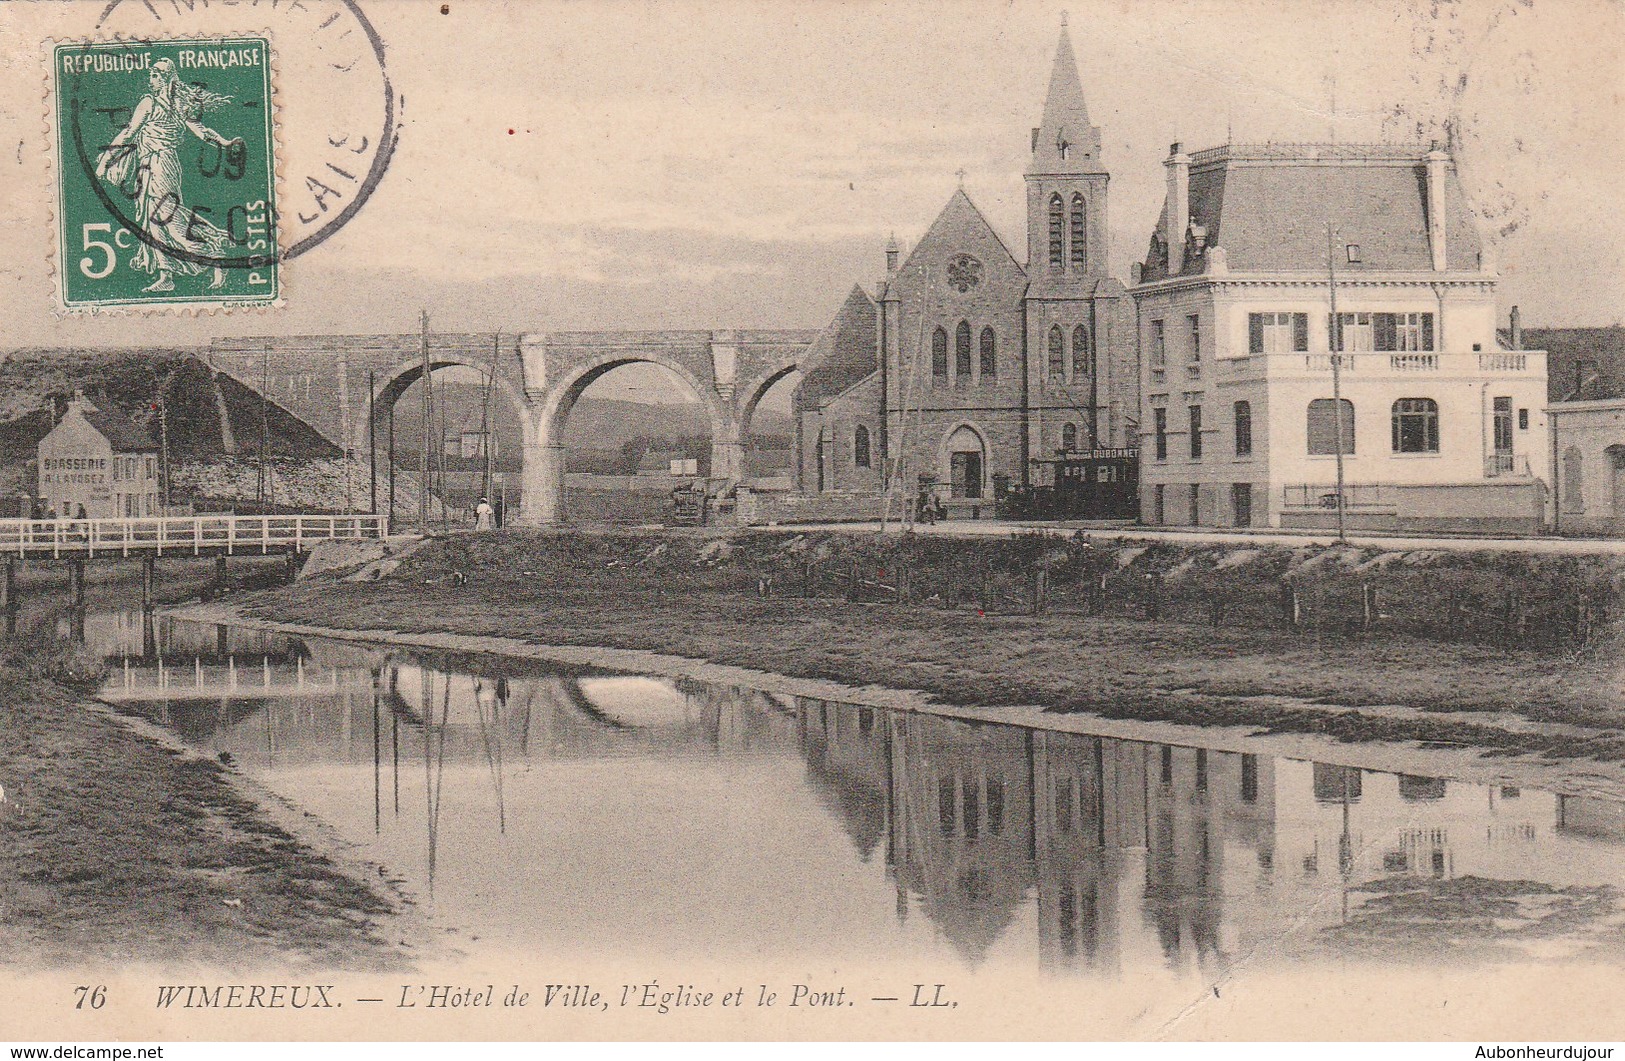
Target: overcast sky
736, 165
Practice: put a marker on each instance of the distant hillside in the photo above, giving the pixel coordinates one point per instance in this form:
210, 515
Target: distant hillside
35, 386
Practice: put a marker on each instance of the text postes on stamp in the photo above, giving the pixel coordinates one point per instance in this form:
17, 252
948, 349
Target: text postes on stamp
166, 172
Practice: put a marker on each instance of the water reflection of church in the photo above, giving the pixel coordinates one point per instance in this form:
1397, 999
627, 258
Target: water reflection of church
1117, 853
1189, 855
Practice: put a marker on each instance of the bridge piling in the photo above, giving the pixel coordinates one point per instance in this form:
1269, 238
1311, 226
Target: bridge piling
8, 584
149, 570
76, 583
219, 573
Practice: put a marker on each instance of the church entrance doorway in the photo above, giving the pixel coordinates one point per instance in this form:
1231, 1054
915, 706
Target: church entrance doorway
966, 465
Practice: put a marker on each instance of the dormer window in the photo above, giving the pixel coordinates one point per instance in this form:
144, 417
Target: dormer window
1353, 252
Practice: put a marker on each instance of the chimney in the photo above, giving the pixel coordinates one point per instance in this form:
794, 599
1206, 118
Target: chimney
1438, 163
892, 251
1178, 206
1517, 330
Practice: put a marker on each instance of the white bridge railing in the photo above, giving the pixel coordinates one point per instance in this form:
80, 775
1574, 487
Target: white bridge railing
181, 535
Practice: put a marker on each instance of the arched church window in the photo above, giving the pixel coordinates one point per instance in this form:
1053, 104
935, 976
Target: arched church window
1082, 363
1057, 231
962, 352
1080, 228
860, 447
1057, 352
939, 356
990, 356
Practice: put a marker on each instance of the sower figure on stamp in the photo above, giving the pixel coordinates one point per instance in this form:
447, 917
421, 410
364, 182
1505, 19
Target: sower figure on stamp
149, 150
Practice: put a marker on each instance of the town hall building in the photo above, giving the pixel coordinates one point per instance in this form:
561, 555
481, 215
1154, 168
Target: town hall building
971, 371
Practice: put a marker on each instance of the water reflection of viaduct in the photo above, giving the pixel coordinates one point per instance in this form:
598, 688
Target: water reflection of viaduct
344, 386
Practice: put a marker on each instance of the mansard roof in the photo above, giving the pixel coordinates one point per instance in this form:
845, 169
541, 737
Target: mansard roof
1267, 206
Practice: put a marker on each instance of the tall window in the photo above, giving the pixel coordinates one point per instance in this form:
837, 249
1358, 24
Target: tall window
1069, 437
1081, 361
1057, 352
1323, 427
1080, 229
1355, 332
1159, 346
939, 355
1387, 332
990, 356
1416, 425
1159, 418
1277, 333
1193, 324
1244, 429
1196, 430
860, 447
1503, 425
1057, 231
962, 352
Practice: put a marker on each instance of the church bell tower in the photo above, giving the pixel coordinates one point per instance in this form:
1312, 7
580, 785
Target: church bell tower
1066, 181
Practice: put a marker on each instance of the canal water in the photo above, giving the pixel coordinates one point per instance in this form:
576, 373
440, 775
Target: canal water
555, 811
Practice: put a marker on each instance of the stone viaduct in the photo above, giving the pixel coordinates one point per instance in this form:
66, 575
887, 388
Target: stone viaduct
342, 384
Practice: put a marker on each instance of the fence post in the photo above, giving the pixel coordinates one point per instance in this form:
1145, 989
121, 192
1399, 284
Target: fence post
808, 571
981, 587
1215, 608
1153, 600
1040, 586
1291, 604
1368, 605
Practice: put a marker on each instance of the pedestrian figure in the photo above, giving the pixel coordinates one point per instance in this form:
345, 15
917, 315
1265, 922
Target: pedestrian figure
482, 515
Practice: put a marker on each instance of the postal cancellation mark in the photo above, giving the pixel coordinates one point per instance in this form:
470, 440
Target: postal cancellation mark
166, 172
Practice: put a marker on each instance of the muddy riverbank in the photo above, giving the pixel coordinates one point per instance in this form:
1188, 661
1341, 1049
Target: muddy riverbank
1483, 703
117, 845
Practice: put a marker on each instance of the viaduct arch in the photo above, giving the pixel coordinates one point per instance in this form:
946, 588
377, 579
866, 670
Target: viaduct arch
341, 385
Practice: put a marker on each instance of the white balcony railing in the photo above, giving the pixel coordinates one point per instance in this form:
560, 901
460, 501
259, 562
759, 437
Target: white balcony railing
1374, 364
1497, 465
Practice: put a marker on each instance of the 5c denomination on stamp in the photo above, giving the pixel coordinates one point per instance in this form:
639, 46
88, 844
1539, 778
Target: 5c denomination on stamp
166, 174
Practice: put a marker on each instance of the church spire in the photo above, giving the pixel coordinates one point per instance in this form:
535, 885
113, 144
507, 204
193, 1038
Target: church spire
1065, 142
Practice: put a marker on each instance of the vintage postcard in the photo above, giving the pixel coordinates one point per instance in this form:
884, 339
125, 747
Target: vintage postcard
844, 520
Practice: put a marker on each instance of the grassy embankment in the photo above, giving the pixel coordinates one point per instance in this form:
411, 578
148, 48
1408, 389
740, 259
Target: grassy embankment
1474, 648
115, 847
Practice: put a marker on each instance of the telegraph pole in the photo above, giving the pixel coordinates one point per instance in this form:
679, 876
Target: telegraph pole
423, 446
372, 439
265, 421
485, 418
1334, 334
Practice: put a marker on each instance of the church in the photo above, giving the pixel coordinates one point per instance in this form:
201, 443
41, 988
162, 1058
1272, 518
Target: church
970, 372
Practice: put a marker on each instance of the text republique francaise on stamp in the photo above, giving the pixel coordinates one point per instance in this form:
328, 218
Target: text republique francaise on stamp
166, 173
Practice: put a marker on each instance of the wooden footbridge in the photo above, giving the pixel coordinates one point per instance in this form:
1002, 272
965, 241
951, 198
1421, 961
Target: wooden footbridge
155, 537
87, 539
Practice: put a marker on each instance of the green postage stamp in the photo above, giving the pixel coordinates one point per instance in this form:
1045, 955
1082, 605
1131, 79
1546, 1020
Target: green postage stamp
165, 173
